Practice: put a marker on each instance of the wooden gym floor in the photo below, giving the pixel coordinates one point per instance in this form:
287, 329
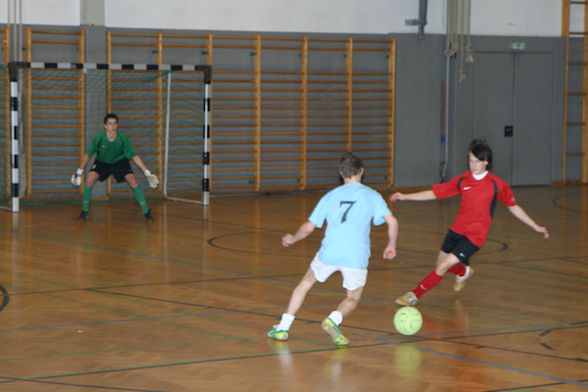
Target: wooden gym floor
184, 303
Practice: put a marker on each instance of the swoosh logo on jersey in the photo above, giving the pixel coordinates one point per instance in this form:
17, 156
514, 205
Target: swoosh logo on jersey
465, 188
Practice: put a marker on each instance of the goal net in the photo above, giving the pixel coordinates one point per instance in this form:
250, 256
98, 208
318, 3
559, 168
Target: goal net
163, 109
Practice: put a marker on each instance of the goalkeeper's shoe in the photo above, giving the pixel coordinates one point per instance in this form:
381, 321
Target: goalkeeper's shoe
148, 216
277, 334
83, 215
331, 328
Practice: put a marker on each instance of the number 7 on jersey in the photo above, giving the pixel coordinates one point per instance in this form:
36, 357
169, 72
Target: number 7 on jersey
342, 202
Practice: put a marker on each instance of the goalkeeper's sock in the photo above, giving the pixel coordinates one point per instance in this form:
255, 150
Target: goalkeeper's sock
140, 196
86, 198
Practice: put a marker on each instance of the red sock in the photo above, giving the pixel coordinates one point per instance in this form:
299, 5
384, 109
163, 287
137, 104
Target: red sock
458, 269
427, 284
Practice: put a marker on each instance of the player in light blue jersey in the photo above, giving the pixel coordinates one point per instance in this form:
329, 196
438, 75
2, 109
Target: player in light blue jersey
349, 211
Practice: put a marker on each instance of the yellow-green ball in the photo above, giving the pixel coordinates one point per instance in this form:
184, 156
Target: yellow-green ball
408, 320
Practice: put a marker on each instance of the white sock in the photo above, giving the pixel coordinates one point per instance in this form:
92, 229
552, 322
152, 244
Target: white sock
336, 317
285, 322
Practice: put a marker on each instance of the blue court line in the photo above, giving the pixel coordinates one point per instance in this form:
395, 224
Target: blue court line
518, 327
141, 319
216, 312
98, 323
487, 363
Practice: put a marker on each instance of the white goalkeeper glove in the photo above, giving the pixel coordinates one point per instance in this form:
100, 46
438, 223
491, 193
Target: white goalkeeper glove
76, 178
152, 179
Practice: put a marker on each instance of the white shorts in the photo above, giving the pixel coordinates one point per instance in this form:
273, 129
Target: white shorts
353, 278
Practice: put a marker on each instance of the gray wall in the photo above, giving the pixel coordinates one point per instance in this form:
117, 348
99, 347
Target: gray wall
421, 67
420, 71
507, 87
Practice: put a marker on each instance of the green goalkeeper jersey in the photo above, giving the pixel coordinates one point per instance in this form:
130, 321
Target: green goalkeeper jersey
111, 152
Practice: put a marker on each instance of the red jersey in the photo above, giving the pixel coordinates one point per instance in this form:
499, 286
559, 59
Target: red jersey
478, 199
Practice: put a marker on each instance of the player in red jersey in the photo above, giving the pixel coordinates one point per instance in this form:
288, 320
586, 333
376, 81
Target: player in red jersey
479, 190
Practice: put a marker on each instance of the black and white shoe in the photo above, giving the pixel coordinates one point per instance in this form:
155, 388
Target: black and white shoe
83, 215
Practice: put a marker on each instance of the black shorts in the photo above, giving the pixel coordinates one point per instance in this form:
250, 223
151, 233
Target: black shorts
460, 246
118, 169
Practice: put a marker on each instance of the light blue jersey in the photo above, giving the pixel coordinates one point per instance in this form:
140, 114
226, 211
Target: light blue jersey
349, 211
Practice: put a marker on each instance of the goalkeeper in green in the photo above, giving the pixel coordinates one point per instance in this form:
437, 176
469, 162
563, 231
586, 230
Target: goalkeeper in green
113, 151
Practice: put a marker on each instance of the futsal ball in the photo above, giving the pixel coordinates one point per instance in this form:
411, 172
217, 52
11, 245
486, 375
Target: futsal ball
408, 320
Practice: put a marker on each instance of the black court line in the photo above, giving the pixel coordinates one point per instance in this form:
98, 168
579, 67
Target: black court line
39, 381
192, 362
220, 223
236, 278
172, 283
248, 277
392, 266
508, 263
200, 266
557, 200
212, 242
5, 298
261, 228
233, 309
421, 338
499, 366
221, 309
523, 387
226, 310
525, 260
512, 265
571, 325
366, 298
313, 350
505, 349
145, 256
127, 253
569, 259
256, 229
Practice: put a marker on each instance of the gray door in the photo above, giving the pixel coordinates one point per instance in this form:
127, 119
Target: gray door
515, 92
493, 107
533, 119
